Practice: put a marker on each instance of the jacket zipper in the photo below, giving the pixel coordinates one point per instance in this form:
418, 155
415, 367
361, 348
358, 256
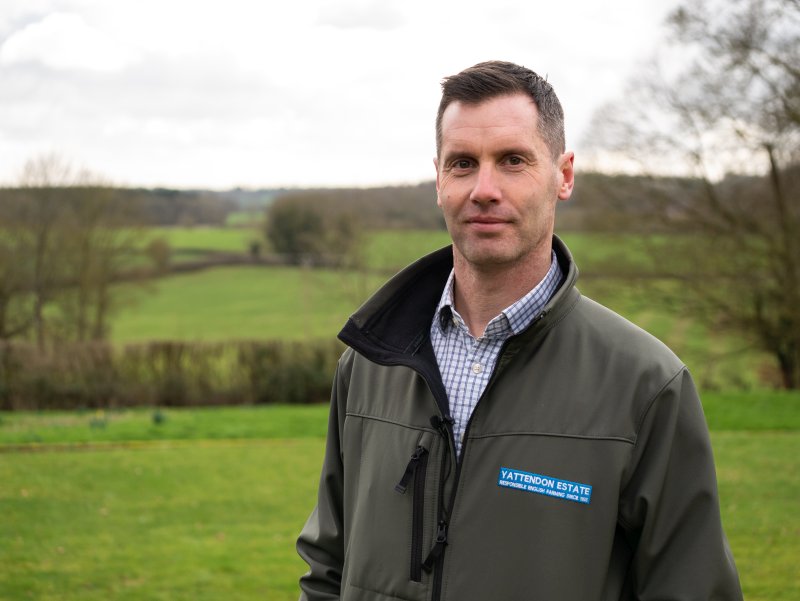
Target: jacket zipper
418, 467
435, 558
417, 519
439, 548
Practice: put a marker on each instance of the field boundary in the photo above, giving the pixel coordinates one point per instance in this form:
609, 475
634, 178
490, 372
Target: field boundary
60, 447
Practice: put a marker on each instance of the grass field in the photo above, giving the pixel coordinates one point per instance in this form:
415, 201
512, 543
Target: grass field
138, 425
241, 303
166, 521
264, 303
245, 218
385, 249
393, 249
207, 504
209, 238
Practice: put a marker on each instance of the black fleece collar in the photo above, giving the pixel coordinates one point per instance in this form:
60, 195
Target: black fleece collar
396, 320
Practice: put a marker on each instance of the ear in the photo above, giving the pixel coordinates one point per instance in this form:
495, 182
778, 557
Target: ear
436, 166
566, 168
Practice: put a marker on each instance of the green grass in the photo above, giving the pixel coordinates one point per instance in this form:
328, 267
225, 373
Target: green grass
228, 239
187, 517
148, 424
718, 360
245, 218
197, 243
242, 303
759, 481
730, 411
385, 249
393, 249
202, 521
768, 410
252, 302
255, 302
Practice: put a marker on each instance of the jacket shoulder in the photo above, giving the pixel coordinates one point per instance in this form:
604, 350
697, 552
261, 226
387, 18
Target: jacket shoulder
605, 371
624, 342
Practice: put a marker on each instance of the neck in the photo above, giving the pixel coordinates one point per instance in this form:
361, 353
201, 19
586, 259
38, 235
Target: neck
481, 293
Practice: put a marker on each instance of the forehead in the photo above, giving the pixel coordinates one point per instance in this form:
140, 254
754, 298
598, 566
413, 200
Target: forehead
510, 117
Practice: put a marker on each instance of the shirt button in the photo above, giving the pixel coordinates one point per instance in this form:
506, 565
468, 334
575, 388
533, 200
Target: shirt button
477, 368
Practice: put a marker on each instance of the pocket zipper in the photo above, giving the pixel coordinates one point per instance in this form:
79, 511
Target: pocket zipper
418, 468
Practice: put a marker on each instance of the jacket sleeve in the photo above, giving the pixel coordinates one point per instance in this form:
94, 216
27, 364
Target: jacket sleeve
321, 542
670, 505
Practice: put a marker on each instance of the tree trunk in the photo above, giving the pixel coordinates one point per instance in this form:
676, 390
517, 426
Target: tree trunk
789, 370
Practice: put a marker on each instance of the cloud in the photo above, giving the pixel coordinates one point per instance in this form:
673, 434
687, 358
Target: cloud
66, 41
320, 92
360, 15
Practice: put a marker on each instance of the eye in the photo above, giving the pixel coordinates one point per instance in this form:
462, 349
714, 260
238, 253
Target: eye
515, 161
462, 164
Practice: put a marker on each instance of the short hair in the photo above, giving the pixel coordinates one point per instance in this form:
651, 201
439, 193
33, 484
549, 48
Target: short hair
491, 79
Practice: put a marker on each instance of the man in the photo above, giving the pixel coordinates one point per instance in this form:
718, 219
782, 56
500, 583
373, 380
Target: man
493, 434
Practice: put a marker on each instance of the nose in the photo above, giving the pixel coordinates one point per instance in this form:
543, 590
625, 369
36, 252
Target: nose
487, 187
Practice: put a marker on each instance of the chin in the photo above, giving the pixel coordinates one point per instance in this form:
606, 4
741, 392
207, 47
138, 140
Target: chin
496, 253
491, 257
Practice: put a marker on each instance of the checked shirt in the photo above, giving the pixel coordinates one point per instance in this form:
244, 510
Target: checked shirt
465, 362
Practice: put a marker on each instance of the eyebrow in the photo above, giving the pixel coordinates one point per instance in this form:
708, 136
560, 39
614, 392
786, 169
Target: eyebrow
460, 151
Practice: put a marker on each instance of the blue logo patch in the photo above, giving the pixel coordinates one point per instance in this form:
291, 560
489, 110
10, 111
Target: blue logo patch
545, 485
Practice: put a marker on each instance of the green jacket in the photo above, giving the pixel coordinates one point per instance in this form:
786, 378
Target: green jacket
586, 470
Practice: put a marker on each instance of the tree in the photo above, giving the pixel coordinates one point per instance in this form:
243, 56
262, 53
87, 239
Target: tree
70, 239
100, 237
295, 229
306, 229
722, 104
38, 216
15, 315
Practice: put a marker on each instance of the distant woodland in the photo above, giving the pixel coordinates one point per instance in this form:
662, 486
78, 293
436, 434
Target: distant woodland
601, 202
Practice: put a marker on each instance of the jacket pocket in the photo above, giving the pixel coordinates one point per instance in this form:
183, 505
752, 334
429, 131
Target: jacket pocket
415, 474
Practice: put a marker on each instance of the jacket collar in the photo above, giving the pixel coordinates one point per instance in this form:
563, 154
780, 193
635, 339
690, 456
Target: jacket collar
394, 324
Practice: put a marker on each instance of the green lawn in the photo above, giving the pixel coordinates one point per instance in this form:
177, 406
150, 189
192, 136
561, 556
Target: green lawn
245, 218
209, 238
254, 302
205, 521
759, 479
242, 303
759, 411
393, 249
207, 504
147, 424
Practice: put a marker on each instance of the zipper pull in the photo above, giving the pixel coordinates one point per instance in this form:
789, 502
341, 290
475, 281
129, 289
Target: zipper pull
438, 548
412, 465
441, 424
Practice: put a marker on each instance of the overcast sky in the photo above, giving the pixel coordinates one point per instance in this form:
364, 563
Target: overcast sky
266, 94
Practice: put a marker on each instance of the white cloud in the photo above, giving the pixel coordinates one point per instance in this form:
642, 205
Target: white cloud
66, 41
202, 93
380, 16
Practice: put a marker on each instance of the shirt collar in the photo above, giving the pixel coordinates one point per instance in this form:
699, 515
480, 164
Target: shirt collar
445, 310
517, 316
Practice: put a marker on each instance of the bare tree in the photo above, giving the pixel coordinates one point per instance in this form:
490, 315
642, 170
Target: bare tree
39, 215
76, 239
15, 314
722, 104
100, 238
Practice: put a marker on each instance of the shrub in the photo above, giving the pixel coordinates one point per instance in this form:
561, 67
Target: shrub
98, 375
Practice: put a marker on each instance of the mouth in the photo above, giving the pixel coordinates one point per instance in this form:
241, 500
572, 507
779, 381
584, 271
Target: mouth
486, 224
486, 220
483, 219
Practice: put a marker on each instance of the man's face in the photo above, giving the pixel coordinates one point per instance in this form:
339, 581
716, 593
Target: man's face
497, 183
